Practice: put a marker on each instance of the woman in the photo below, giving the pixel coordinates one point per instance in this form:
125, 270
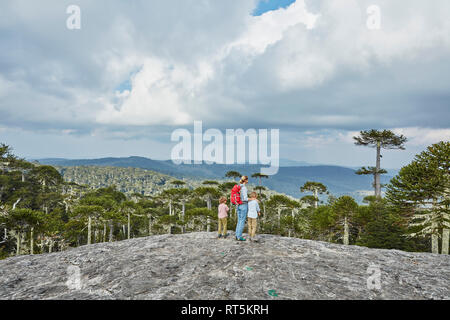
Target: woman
242, 209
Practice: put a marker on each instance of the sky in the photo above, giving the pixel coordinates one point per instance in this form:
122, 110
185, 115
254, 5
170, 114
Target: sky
138, 70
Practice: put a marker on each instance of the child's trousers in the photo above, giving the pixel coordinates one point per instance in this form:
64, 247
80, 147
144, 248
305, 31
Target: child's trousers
252, 224
223, 226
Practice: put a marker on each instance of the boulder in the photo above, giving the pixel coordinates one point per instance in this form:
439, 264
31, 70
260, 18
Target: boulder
200, 266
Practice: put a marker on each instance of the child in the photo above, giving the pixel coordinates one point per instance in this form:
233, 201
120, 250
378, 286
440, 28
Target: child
223, 215
253, 213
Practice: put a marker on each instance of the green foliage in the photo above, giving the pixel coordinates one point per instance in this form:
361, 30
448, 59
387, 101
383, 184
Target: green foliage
313, 187
345, 206
386, 138
422, 191
233, 175
198, 218
323, 223
382, 226
309, 200
226, 187
210, 183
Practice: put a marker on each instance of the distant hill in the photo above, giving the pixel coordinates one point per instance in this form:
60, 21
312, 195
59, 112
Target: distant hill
127, 180
294, 163
339, 180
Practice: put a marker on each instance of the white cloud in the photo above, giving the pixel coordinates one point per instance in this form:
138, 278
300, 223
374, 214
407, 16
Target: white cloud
424, 136
268, 28
155, 98
291, 49
170, 93
292, 69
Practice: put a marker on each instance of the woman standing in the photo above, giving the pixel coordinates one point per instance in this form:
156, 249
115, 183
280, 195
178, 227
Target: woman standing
242, 209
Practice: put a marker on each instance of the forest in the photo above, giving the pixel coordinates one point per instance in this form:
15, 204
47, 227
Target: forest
40, 212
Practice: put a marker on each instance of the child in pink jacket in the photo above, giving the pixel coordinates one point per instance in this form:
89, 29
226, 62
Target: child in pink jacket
223, 215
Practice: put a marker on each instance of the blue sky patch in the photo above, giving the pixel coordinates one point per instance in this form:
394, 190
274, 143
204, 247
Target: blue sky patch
270, 5
126, 85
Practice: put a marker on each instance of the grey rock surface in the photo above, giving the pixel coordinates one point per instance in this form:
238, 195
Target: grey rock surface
200, 266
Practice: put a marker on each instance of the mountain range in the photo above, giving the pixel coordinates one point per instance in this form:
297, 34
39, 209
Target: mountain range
289, 179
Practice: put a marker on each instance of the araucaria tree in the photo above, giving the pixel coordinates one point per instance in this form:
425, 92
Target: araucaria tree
385, 139
316, 188
260, 176
345, 208
422, 189
233, 174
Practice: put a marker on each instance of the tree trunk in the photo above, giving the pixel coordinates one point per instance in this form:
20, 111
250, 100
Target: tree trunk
18, 243
264, 212
434, 238
170, 207
128, 227
316, 202
434, 229
50, 246
377, 173
41, 245
123, 231
346, 233
111, 231
16, 203
89, 230
32, 240
104, 231
279, 217
359, 233
445, 240
208, 224
183, 212
149, 224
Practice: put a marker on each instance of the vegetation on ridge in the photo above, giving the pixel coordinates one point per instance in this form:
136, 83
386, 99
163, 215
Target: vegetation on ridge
41, 212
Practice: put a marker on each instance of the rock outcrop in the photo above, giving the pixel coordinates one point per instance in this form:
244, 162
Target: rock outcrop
199, 266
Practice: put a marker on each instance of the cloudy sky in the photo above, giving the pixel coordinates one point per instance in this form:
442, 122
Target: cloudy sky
139, 69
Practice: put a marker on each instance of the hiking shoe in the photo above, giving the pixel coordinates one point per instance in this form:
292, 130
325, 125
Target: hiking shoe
220, 236
225, 236
241, 239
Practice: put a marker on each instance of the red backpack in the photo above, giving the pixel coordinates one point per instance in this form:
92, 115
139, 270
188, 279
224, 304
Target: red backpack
236, 195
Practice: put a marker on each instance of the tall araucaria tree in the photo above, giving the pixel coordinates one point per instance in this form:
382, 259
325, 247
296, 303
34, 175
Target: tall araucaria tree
385, 139
260, 176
